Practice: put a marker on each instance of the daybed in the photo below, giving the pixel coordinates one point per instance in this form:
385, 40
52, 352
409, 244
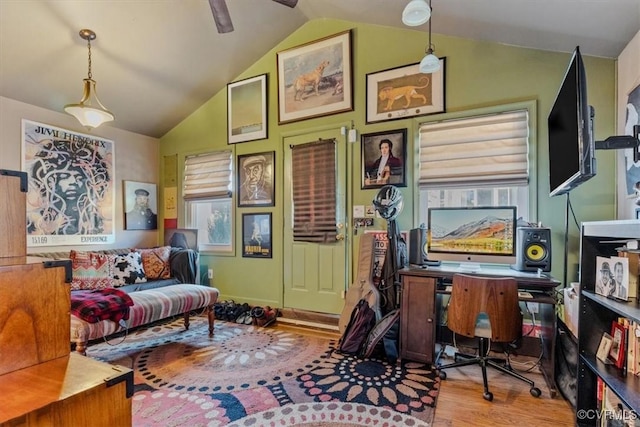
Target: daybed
161, 282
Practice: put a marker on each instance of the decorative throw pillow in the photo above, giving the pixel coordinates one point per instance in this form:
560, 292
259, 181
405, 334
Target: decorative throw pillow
91, 270
156, 262
128, 269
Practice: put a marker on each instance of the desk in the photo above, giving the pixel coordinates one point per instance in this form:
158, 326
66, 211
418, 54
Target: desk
418, 304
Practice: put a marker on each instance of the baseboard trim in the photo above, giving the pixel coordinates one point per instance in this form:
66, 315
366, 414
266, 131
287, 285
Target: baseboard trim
306, 323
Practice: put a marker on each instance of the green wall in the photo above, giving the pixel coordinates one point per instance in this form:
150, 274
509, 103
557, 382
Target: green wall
478, 75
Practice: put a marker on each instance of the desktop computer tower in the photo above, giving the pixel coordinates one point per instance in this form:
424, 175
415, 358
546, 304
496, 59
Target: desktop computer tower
533, 249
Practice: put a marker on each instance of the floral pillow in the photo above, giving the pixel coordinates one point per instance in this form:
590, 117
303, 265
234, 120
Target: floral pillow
91, 270
128, 269
156, 262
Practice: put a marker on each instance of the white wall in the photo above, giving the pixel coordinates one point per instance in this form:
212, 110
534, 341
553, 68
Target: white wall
628, 79
136, 159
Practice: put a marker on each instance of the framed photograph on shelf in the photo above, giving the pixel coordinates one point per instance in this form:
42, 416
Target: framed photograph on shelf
256, 176
384, 157
620, 269
605, 283
247, 109
140, 206
315, 79
256, 235
399, 93
604, 348
618, 346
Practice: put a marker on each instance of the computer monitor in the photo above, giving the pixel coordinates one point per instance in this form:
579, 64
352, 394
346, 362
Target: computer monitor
472, 235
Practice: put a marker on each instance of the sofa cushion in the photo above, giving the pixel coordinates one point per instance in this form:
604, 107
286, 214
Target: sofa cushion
156, 262
128, 269
91, 270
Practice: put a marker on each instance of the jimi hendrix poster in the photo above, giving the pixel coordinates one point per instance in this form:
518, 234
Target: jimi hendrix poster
70, 198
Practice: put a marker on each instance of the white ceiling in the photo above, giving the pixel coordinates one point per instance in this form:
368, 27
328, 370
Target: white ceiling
156, 61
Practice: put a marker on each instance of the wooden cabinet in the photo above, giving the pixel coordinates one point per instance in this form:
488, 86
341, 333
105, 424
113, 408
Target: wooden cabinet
602, 238
41, 382
418, 318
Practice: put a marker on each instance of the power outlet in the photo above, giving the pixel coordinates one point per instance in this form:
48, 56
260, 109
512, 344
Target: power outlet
533, 307
210, 273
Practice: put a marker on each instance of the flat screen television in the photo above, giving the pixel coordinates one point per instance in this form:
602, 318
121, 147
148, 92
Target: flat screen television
472, 235
571, 143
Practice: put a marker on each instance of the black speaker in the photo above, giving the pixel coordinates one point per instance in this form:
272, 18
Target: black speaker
417, 245
533, 249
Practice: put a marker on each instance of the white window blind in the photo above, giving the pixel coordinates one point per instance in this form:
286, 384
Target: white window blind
484, 150
207, 176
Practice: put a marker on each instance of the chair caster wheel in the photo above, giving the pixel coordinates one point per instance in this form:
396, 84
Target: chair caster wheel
488, 396
442, 375
535, 392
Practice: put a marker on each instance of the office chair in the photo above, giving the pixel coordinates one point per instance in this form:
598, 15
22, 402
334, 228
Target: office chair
498, 299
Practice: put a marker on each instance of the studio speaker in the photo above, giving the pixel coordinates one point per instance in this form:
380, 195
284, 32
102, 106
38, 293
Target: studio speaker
417, 246
533, 249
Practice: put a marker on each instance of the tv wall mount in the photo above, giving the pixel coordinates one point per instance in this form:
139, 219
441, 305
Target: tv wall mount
623, 142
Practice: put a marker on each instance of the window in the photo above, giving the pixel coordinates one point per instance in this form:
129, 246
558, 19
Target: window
478, 160
314, 191
207, 195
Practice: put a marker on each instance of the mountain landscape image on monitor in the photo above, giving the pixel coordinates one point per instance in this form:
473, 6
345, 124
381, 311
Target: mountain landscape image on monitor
489, 235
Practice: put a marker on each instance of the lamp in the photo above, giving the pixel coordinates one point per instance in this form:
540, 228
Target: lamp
430, 63
415, 13
90, 112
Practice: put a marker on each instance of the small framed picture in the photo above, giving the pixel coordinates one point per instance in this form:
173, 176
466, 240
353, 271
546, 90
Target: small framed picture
384, 157
399, 93
140, 206
256, 179
256, 235
247, 109
620, 266
605, 283
618, 346
605, 346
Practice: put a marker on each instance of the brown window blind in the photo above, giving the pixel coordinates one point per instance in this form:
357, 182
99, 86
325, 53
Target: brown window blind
314, 191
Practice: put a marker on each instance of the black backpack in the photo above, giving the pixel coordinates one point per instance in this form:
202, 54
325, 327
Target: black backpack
362, 320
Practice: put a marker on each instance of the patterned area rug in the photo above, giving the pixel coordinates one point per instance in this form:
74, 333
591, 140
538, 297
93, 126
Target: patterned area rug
251, 376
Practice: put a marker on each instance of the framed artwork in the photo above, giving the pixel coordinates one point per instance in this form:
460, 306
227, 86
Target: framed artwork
71, 194
315, 79
399, 93
186, 238
605, 347
618, 346
256, 176
140, 206
384, 157
247, 109
256, 235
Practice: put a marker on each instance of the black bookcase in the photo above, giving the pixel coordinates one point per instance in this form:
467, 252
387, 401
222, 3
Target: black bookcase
602, 238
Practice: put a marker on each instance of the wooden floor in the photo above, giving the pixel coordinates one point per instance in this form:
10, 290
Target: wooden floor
460, 401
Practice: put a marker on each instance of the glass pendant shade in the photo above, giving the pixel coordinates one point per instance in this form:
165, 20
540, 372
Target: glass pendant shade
90, 112
417, 12
430, 63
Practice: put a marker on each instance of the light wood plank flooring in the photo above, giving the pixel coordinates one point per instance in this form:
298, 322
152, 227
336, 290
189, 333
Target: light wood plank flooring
460, 401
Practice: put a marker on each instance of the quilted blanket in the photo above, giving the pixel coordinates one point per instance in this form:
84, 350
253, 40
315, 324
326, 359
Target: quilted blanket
101, 304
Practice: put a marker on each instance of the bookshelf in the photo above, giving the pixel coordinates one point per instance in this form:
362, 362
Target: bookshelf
597, 313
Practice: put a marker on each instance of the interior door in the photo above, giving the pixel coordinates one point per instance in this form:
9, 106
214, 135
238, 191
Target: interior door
315, 274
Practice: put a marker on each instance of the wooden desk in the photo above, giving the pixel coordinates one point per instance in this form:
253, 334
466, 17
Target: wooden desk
419, 304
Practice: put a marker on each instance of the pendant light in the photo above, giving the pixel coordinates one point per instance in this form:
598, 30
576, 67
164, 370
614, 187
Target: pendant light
430, 63
90, 112
415, 13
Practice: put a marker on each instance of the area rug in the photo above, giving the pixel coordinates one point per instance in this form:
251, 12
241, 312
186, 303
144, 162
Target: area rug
252, 376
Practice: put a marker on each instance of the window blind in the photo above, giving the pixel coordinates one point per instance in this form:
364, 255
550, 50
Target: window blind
484, 150
314, 191
207, 176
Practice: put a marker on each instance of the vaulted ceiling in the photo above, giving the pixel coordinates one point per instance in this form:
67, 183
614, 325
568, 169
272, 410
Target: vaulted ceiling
158, 61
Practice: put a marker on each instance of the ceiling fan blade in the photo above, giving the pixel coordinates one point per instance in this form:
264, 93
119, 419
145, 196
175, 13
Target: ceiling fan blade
290, 3
221, 16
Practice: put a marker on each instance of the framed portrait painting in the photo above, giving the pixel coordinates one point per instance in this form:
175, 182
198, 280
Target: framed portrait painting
256, 235
247, 109
140, 206
256, 176
315, 79
384, 157
399, 93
